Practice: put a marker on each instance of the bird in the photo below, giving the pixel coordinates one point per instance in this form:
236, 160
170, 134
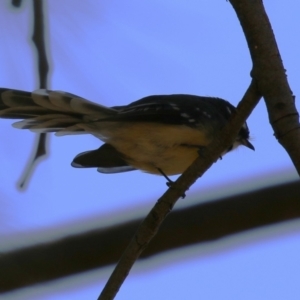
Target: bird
158, 134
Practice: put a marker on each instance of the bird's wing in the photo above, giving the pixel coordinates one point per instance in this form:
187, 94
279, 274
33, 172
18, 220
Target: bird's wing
171, 109
106, 159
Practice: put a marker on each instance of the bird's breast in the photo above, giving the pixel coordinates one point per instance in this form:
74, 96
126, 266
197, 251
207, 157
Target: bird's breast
152, 146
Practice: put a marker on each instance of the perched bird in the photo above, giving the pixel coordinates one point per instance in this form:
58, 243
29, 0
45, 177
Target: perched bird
159, 134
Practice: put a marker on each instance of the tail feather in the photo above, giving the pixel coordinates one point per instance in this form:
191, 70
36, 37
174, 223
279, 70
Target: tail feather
11, 98
71, 130
50, 111
42, 98
23, 112
53, 123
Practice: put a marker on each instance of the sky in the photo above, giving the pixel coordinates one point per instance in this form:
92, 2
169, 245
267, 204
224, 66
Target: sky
113, 53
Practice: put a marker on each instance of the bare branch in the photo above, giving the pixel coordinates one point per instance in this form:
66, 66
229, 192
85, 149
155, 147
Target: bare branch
149, 227
269, 73
38, 39
16, 3
40, 152
41, 143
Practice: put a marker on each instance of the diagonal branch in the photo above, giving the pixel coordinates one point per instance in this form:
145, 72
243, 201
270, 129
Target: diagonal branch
149, 227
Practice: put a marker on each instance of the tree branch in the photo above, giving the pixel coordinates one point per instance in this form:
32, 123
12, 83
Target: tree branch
16, 3
41, 142
269, 73
149, 227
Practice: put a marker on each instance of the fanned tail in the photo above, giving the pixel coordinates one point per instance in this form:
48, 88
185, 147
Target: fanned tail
50, 111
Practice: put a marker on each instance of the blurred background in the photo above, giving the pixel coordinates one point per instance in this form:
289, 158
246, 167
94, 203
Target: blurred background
115, 52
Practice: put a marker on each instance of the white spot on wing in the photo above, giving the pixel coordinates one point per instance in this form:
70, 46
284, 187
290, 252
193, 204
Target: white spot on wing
206, 114
229, 110
174, 106
184, 115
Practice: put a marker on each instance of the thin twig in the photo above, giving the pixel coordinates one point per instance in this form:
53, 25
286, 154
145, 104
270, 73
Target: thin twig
16, 3
40, 148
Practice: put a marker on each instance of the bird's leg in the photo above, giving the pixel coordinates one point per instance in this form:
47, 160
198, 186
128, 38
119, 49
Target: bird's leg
169, 182
201, 151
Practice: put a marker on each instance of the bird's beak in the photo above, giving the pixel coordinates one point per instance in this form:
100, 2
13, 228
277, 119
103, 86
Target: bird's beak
246, 143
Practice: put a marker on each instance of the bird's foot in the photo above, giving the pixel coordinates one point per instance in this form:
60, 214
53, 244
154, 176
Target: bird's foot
169, 182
